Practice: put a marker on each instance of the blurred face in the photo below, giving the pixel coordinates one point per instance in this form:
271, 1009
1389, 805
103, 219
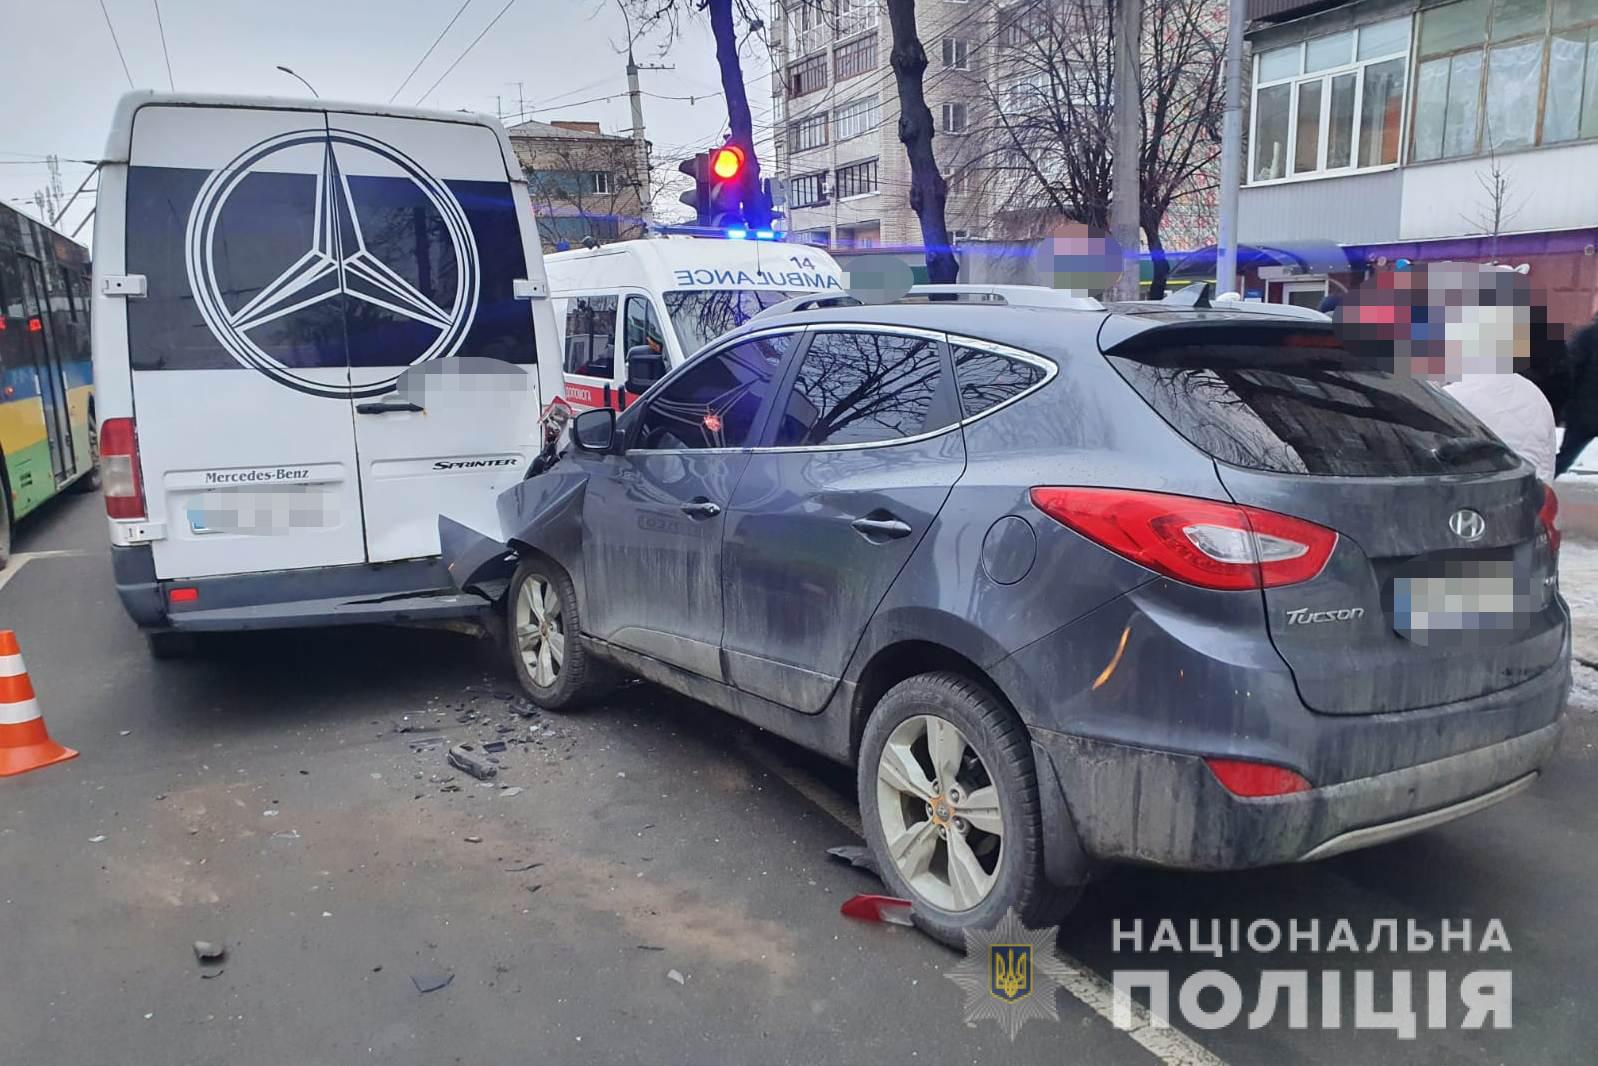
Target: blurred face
1486, 339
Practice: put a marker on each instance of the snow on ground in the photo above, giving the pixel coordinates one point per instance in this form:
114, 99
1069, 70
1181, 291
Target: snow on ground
1578, 581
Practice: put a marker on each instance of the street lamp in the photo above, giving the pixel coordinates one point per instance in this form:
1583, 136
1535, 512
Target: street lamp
301, 80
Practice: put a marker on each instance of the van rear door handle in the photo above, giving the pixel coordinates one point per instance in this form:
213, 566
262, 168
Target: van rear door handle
883, 528
384, 406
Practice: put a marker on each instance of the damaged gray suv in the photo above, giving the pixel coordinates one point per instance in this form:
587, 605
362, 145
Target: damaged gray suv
1070, 585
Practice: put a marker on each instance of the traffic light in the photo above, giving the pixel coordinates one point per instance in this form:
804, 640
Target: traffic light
726, 186
698, 197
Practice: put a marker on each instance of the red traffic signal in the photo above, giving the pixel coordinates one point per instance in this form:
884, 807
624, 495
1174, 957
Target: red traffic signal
726, 162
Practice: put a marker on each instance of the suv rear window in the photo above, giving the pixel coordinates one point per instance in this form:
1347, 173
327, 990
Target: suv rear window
1308, 409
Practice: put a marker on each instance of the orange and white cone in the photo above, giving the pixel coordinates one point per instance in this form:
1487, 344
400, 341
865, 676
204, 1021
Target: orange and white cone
24, 745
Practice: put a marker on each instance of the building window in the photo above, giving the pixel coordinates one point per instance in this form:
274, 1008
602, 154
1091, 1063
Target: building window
808, 132
807, 28
1332, 103
1504, 74
956, 54
807, 75
857, 179
572, 184
808, 190
954, 118
857, 57
856, 117
856, 16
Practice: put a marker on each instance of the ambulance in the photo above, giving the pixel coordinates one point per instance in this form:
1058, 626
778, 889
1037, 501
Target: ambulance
628, 312
319, 330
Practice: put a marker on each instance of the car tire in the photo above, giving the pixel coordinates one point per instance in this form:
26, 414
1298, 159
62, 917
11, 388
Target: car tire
169, 644
5, 525
556, 675
990, 734
90, 482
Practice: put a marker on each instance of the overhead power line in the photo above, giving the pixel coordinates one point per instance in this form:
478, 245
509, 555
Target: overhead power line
116, 42
463, 55
458, 13
161, 26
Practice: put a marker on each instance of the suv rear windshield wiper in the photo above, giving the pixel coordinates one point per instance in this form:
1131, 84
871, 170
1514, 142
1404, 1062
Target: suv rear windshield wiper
1468, 448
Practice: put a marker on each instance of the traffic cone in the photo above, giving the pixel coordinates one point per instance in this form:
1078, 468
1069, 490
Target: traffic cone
24, 745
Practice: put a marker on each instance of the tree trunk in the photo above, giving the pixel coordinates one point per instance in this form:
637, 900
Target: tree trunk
928, 191
756, 211
1158, 260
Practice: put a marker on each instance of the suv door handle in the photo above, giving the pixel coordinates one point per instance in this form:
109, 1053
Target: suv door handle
884, 528
701, 509
384, 406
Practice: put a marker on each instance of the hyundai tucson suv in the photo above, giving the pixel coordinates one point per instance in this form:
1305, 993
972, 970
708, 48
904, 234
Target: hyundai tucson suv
1070, 585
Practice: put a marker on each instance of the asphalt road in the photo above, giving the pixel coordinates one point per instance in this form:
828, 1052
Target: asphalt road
264, 796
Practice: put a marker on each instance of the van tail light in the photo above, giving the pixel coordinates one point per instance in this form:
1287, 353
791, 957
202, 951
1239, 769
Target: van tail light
1206, 543
1547, 515
119, 469
1252, 780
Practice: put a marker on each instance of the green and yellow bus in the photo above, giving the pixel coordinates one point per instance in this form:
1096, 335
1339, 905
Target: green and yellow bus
48, 437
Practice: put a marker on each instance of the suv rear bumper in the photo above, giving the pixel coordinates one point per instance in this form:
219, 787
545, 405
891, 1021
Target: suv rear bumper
1165, 808
410, 591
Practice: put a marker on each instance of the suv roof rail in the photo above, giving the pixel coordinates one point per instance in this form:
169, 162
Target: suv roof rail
808, 302
1003, 295
1008, 295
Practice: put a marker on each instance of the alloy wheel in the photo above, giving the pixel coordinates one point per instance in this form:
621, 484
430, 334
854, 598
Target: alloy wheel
540, 630
940, 813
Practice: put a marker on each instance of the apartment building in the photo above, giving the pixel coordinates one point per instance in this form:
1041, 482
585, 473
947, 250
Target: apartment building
1423, 130
585, 183
837, 115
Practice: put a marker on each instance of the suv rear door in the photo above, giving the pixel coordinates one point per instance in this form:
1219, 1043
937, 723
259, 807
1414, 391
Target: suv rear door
859, 462
1415, 607
238, 360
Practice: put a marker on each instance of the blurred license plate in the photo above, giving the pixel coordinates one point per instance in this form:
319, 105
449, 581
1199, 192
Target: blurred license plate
1461, 596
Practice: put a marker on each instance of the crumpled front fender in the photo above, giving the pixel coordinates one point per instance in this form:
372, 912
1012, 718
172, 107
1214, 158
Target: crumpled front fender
542, 514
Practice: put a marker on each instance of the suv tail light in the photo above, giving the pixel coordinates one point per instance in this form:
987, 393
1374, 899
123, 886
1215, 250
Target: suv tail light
1548, 513
1206, 543
119, 469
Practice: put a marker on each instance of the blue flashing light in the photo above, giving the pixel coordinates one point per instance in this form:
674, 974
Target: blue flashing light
738, 233
765, 235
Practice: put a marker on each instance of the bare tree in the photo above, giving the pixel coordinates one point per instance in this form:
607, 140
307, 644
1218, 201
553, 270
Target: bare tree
1496, 211
928, 191
1046, 149
725, 18
591, 178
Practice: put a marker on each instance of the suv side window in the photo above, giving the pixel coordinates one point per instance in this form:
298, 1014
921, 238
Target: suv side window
860, 388
642, 326
987, 379
716, 401
591, 336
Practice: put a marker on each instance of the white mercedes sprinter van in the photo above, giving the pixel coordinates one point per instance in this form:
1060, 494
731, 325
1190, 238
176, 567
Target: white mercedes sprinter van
318, 328
671, 296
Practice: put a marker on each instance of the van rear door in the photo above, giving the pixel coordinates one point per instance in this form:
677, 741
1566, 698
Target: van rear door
443, 366
239, 367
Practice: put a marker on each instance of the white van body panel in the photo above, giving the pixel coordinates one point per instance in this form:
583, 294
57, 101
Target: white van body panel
662, 272
330, 354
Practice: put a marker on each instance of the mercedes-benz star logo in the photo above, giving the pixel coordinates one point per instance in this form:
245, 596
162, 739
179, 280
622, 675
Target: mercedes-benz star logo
1467, 524
338, 263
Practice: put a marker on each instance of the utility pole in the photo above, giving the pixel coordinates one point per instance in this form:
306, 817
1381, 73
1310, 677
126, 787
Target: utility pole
635, 97
1127, 196
1231, 151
